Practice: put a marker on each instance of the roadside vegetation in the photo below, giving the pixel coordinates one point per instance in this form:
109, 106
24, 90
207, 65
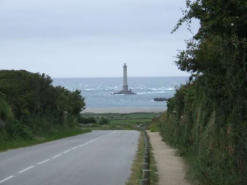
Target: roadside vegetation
207, 118
130, 121
117, 121
154, 177
32, 110
137, 166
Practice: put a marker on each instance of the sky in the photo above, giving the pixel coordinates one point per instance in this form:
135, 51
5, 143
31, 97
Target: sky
92, 38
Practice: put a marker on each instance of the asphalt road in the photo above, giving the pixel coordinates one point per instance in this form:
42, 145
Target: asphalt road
96, 158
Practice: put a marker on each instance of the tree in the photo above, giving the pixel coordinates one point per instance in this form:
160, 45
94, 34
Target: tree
216, 59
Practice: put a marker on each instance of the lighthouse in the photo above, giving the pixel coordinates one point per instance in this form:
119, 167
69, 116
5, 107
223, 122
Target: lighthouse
125, 89
125, 79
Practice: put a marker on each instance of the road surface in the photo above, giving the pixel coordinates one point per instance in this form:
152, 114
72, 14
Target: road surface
96, 158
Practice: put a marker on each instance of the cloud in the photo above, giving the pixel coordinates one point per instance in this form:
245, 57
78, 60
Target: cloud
71, 37
67, 18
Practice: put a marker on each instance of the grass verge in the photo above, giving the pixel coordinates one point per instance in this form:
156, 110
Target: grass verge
116, 121
54, 134
154, 178
136, 170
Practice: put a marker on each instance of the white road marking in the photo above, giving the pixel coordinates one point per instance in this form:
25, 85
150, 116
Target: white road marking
6, 179
43, 162
74, 148
82, 145
66, 151
56, 156
91, 141
26, 169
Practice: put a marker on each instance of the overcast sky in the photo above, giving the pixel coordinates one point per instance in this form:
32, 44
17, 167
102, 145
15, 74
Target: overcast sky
91, 38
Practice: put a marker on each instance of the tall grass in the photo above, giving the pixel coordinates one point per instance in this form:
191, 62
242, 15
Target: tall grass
53, 134
214, 144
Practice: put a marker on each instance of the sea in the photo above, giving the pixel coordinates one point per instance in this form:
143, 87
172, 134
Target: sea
99, 92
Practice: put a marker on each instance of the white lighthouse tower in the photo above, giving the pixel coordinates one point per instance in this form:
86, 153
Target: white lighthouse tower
125, 89
125, 79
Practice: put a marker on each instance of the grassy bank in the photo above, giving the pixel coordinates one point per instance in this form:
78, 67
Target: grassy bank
137, 166
53, 134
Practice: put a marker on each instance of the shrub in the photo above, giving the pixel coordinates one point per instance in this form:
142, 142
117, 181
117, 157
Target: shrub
86, 120
29, 104
103, 121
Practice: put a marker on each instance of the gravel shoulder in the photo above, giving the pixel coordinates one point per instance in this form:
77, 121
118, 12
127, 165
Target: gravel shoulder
171, 168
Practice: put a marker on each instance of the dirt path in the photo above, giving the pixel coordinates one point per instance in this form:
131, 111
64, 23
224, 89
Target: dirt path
171, 168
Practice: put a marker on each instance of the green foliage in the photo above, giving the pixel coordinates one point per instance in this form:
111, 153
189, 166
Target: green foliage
57, 132
30, 104
103, 121
15, 129
133, 119
117, 121
137, 166
207, 118
5, 110
86, 120
32, 94
202, 131
155, 125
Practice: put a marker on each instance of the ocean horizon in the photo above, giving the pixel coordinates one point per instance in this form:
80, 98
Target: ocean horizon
99, 92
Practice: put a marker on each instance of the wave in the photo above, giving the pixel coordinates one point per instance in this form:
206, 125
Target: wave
162, 89
139, 90
149, 92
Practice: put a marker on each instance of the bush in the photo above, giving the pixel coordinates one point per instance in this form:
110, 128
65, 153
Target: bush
30, 104
5, 110
86, 120
207, 118
202, 131
103, 121
15, 129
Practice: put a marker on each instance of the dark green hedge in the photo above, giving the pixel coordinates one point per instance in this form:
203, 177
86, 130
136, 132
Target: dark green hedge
29, 103
207, 118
